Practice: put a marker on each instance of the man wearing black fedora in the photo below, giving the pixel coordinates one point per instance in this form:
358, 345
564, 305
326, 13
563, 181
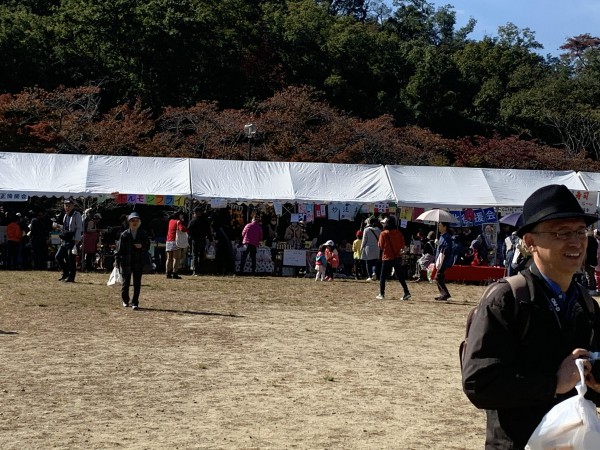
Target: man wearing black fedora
520, 357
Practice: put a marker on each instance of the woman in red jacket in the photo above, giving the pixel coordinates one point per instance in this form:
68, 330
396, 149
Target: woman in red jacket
391, 242
176, 222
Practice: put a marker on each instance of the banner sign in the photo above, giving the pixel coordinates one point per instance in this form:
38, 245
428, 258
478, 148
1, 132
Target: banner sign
13, 197
151, 199
588, 200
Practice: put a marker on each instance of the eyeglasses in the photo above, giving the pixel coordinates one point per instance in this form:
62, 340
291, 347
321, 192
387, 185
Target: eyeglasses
566, 235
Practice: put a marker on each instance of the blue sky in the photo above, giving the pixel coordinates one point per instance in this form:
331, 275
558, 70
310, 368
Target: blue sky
553, 21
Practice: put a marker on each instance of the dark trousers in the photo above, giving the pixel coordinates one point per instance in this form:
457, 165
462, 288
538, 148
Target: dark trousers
67, 260
250, 249
440, 279
137, 286
386, 268
40, 254
359, 269
13, 249
198, 248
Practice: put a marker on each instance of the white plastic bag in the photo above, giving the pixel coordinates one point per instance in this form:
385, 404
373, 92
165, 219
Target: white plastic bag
115, 277
572, 424
211, 251
181, 239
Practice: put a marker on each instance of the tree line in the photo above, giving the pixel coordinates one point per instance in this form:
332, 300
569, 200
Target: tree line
342, 81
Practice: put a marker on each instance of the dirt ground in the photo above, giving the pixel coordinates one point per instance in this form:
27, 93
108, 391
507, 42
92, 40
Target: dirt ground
232, 363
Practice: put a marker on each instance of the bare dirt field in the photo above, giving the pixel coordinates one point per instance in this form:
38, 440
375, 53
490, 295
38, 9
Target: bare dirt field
232, 363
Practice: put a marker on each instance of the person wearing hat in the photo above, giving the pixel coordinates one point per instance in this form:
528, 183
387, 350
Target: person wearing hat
72, 232
333, 259
520, 357
129, 258
392, 244
369, 249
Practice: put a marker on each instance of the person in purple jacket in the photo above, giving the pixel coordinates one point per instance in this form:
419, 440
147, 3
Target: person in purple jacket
252, 234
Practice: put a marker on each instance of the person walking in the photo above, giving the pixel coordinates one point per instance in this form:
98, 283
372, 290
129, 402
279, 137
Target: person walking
72, 232
391, 242
369, 249
443, 260
520, 358
129, 258
252, 234
173, 251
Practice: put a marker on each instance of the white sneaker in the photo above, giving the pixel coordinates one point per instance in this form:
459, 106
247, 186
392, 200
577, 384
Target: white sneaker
374, 277
369, 279
380, 297
134, 307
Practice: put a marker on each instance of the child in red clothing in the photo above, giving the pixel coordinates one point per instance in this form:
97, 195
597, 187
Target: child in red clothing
320, 263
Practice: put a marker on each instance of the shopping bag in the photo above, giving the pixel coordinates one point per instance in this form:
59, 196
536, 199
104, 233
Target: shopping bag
211, 251
181, 239
572, 424
115, 277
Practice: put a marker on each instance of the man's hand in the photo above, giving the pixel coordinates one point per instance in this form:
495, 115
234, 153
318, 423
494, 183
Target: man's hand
568, 374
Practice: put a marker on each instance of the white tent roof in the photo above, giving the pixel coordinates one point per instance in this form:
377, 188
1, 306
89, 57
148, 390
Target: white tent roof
36, 174
458, 187
288, 181
350, 183
512, 187
136, 175
240, 180
430, 187
43, 174
591, 180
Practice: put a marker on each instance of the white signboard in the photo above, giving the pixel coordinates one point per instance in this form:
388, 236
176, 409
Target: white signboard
588, 200
294, 257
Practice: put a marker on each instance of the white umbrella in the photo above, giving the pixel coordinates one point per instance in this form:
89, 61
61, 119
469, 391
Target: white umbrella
437, 215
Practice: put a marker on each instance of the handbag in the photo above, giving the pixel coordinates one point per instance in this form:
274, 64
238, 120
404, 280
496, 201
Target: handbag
572, 424
211, 251
115, 277
181, 239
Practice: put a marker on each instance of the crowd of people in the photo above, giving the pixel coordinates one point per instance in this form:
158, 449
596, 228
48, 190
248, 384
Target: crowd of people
379, 251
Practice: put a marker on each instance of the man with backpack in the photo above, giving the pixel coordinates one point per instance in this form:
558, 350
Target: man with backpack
522, 343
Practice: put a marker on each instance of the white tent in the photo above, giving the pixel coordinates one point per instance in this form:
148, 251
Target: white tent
136, 175
459, 187
350, 183
241, 180
37, 174
288, 181
43, 174
591, 180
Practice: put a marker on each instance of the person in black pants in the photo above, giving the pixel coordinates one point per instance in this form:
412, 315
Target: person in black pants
199, 230
72, 232
129, 258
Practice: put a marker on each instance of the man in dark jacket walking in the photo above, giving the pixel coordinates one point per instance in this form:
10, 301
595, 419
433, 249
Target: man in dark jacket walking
130, 258
520, 357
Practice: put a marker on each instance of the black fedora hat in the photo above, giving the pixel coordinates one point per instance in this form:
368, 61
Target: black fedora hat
554, 201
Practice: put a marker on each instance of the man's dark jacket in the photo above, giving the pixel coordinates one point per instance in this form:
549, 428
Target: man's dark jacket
513, 353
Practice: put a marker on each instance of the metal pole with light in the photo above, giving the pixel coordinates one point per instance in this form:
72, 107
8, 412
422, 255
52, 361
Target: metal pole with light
250, 132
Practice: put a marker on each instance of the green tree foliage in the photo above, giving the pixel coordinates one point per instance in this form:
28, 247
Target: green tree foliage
183, 76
